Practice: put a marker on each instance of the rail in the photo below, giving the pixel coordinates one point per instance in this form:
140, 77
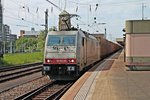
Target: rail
10, 75
51, 91
9, 68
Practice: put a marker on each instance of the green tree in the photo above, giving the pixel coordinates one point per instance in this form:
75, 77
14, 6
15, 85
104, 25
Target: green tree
30, 44
41, 41
19, 44
25, 44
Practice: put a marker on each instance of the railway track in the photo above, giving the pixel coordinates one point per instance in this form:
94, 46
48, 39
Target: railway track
51, 91
10, 68
9, 74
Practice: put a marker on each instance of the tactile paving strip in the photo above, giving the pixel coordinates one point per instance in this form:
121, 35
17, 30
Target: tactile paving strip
82, 94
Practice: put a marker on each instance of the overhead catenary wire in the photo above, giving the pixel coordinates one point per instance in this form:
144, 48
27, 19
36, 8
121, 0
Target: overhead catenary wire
27, 8
13, 15
109, 4
54, 5
21, 20
88, 25
78, 6
100, 4
27, 12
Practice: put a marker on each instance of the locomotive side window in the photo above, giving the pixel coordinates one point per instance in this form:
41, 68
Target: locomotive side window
54, 40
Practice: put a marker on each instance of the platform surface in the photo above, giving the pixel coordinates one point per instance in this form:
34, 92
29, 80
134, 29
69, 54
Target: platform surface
111, 81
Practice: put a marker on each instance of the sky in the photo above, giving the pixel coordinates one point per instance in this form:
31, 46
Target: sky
25, 14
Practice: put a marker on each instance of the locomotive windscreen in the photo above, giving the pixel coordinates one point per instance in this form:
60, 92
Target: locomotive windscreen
61, 40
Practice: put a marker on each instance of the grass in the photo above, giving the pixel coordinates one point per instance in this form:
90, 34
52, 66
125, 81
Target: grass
21, 58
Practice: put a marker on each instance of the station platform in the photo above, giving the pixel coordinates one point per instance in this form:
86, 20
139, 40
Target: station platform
111, 81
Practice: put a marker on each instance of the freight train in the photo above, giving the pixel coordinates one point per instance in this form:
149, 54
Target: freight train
67, 53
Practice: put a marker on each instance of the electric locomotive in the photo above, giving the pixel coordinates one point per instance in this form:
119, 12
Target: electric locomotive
67, 53
70, 51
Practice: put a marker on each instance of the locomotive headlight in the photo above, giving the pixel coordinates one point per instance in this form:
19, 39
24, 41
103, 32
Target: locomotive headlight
72, 60
48, 60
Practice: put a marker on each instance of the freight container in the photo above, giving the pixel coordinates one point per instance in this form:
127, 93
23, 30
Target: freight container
106, 47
